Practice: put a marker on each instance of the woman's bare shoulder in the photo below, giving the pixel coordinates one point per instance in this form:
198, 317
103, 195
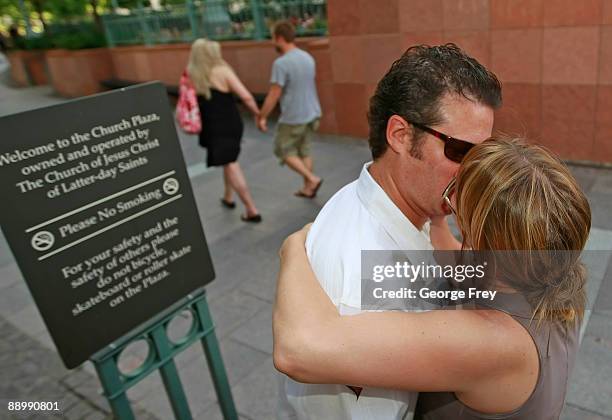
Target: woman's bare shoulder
222, 70
472, 333
220, 77
500, 334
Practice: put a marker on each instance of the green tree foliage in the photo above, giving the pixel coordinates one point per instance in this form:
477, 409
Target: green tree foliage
57, 10
71, 24
63, 9
10, 8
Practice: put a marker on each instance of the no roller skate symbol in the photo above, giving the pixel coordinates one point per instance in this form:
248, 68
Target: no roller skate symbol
171, 186
43, 240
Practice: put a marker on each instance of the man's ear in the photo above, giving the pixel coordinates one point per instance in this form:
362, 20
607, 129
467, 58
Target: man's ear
399, 134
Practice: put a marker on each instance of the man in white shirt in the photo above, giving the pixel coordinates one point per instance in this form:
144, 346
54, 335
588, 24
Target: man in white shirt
430, 99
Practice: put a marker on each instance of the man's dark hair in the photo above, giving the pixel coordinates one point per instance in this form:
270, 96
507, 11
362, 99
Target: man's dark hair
285, 30
415, 84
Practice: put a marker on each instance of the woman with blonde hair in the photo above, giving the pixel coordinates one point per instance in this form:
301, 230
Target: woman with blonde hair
222, 127
509, 360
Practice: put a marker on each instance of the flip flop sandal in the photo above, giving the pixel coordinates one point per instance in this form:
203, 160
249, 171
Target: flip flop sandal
312, 195
302, 194
256, 218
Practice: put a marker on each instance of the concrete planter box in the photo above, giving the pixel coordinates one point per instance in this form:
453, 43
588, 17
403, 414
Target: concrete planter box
78, 73
28, 67
36, 65
145, 63
19, 71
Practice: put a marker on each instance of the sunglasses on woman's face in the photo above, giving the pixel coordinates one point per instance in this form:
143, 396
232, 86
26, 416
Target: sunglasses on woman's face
454, 149
448, 192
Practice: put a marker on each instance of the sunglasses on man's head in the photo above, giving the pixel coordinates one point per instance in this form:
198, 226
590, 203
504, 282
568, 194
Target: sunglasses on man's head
454, 149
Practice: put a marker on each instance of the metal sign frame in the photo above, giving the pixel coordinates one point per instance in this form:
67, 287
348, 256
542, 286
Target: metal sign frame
161, 355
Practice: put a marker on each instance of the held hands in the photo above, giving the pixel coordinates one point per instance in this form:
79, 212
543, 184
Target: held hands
262, 123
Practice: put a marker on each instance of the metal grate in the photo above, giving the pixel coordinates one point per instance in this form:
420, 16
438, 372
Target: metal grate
214, 19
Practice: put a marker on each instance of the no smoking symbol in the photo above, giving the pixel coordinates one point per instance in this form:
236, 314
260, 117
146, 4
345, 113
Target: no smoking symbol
42, 240
171, 186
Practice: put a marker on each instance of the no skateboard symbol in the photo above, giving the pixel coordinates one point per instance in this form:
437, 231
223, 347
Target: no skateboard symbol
42, 240
171, 186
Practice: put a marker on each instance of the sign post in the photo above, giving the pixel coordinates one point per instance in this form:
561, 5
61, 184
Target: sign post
161, 355
99, 213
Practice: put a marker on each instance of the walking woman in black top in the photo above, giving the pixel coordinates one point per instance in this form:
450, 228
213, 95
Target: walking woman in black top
222, 128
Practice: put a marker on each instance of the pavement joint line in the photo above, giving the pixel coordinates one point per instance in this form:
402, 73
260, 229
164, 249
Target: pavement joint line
252, 295
588, 410
198, 169
242, 343
227, 334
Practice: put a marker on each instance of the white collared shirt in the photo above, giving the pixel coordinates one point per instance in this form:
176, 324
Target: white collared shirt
360, 216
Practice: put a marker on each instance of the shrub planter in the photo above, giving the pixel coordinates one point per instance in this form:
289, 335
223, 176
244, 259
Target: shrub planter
36, 65
76, 73
19, 70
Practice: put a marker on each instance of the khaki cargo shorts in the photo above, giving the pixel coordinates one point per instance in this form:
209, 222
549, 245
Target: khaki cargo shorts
294, 139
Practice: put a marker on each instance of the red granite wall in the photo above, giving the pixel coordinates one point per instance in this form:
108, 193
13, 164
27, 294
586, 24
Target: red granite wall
553, 57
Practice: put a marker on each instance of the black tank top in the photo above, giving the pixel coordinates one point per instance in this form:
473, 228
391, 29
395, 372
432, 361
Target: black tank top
221, 119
